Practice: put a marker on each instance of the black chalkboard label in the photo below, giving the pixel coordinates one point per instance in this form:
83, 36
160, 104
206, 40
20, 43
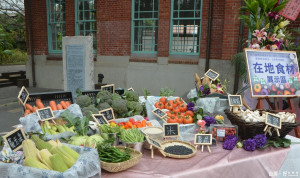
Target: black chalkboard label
212, 74
171, 129
273, 120
108, 114
110, 88
159, 113
99, 118
235, 100
45, 113
203, 139
23, 95
130, 89
153, 142
15, 138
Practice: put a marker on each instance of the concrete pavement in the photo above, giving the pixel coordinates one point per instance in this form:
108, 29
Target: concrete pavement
10, 109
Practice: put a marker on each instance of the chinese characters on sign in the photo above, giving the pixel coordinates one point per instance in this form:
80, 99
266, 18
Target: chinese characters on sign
291, 10
273, 73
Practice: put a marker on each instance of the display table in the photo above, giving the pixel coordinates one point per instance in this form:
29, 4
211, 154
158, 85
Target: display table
220, 163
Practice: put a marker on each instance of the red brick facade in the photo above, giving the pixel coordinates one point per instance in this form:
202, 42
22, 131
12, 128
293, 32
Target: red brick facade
114, 27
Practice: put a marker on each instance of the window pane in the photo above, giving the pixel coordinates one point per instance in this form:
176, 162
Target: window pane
186, 26
56, 24
86, 19
145, 22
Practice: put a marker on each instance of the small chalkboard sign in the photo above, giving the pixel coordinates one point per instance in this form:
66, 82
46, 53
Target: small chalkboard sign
110, 88
23, 95
108, 114
171, 129
235, 100
273, 120
100, 119
45, 114
159, 113
212, 74
203, 139
153, 142
130, 89
14, 139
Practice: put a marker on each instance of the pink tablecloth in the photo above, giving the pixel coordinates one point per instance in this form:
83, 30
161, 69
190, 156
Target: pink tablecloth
220, 163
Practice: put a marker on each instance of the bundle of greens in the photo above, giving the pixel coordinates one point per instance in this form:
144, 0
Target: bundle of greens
80, 124
112, 154
108, 129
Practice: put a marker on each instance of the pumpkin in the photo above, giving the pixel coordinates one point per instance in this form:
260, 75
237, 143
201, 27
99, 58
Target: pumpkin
257, 88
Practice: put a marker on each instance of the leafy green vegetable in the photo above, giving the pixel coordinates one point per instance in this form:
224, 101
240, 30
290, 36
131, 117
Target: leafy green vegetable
112, 154
120, 108
88, 111
1, 141
279, 142
83, 101
166, 92
104, 96
80, 124
108, 129
131, 96
132, 136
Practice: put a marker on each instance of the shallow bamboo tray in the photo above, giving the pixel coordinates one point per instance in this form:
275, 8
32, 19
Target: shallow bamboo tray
117, 167
177, 142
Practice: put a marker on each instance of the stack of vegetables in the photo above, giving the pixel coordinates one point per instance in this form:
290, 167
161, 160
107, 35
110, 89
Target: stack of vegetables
87, 141
39, 105
178, 112
131, 136
54, 128
112, 154
48, 155
131, 124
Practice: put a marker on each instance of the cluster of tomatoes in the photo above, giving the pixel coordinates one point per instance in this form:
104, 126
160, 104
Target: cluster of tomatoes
131, 124
178, 112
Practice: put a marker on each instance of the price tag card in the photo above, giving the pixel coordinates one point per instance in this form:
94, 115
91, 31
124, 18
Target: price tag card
110, 88
108, 114
171, 129
153, 142
273, 120
203, 139
212, 74
23, 96
159, 113
45, 113
14, 139
235, 100
100, 119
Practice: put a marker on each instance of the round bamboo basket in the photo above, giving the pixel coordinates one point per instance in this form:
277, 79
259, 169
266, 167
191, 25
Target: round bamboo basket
177, 142
117, 167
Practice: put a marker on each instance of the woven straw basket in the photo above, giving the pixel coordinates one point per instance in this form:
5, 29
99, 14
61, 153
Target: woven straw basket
117, 167
250, 129
177, 142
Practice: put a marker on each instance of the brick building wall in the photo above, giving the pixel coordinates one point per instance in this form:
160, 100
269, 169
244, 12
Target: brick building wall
114, 27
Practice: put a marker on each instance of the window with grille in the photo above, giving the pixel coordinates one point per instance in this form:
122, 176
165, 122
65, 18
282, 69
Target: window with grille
85, 18
144, 30
185, 28
56, 24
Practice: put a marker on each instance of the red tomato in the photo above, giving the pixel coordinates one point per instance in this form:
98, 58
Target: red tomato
175, 104
180, 119
172, 119
163, 100
159, 105
191, 113
187, 119
169, 106
176, 110
183, 107
179, 100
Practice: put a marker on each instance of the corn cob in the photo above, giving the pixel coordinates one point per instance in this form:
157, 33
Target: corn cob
30, 149
68, 159
40, 144
58, 163
52, 143
31, 162
44, 156
58, 143
70, 151
54, 128
52, 132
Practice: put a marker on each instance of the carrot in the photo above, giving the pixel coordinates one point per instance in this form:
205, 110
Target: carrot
63, 104
39, 104
53, 105
68, 103
144, 124
34, 109
27, 111
59, 107
28, 106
